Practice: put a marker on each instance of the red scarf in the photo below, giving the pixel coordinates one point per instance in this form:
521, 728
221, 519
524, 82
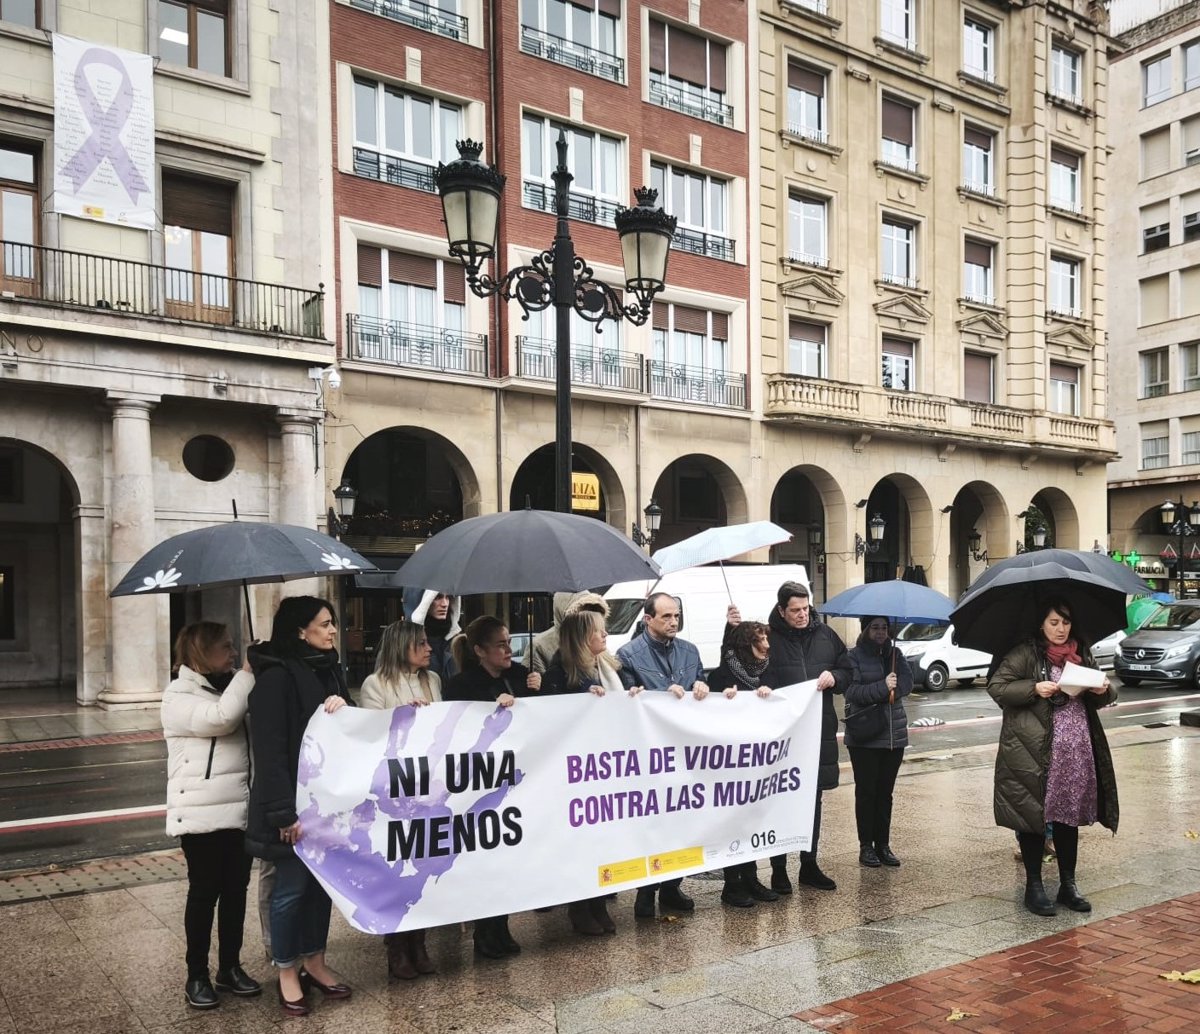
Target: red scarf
1059, 655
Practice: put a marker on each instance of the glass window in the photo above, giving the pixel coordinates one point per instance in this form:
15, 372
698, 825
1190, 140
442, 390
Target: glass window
573, 31
977, 271
20, 12
1064, 180
979, 377
899, 367
1191, 226
1064, 286
690, 337
1064, 389
806, 348
1156, 80
594, 160
806, 102
195, 33
1155, 238
421, 291
977, 49
1189, 360
899, 134
1065, 73
897, 22
1190, 442
689, 73
1156, 379
1155, 453
19, 207
806, 231
409, 125
1191, 66
198, 247
899, 253
978, 169
698, 201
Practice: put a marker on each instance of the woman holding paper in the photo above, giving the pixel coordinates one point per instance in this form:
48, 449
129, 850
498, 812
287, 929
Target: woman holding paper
1053, 763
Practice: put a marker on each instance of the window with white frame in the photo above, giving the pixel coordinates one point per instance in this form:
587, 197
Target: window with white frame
442, 17
1063, 396
1191, 65
691, 337
539, 332
807, 346
1155, 238
977, 271
898, 131
582, 34
400, 136
1064, 286
1155, 447
700, 203
978, 49
979, 175
1191, 226
689, 73
1156, 80
806, 114
899, 253
400, 287
1156, 377
979, 378
899, 364
1064, 180
1189, 362
807, 230
1190, 443
898, 22
594, 160
1066, 67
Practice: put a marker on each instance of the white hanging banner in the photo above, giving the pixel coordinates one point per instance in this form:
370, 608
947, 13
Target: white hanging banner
103, 133
420, 817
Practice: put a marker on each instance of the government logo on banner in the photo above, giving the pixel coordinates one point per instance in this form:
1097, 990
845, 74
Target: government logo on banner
418, 817
103, 133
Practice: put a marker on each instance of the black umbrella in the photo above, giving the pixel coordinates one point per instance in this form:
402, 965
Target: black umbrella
238, 553
525, 551
1002, 605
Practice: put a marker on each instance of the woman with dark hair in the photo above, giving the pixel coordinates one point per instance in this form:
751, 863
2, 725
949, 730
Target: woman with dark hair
208, 784
743, 661
297, 672
486, 673
881, 681
1053, 763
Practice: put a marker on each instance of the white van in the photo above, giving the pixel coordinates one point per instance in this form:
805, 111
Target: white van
935, 657
703, 600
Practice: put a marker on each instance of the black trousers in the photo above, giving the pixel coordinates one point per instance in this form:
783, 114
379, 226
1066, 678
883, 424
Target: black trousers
218, 874
875, 771
1066, 848
779, 861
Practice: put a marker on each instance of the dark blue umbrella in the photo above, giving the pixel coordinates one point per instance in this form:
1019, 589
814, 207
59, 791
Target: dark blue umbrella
898, 600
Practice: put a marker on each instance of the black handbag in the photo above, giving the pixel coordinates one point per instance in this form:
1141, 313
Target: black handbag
868, 723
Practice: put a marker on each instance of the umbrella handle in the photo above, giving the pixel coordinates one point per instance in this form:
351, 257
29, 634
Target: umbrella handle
249, 615
721, 565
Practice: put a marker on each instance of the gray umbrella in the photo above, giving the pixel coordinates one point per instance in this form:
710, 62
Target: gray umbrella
525, 551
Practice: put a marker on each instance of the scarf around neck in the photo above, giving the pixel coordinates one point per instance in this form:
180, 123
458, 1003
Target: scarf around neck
1059, 655
748, 674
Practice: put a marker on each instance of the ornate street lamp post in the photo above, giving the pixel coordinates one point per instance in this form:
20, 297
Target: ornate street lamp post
653, 514
1188, 523
874, 539
470, 193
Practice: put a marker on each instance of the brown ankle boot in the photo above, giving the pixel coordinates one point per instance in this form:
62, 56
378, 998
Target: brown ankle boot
399, 964
416, 951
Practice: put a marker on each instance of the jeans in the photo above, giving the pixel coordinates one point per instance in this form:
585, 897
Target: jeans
299, 913
218, 874
875, 771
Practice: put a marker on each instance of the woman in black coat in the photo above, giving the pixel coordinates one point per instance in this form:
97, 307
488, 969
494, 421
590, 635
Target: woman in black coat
881, 681
295, 673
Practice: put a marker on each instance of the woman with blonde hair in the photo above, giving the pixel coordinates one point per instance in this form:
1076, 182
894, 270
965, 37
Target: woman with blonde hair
208, 787
402, 678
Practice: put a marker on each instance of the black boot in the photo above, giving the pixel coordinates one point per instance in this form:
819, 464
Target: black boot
643, 904
200, 994
237, 981
672, 899
811, 875
779, 877
886, 856
1068, 894
599, 909
734, 893
1035, 897
487, 943
868, 857
505, 938
757, 889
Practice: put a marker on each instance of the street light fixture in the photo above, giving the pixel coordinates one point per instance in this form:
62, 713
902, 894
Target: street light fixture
653, 514
1187, 524
875, 529
973, 542
344, 497
470, 193
1038, 533
816, 544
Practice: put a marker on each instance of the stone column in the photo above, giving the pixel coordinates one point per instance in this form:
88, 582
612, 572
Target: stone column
299, 473
133, 625
91, 605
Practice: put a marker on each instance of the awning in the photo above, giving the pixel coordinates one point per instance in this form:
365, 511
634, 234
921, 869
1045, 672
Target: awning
388, 564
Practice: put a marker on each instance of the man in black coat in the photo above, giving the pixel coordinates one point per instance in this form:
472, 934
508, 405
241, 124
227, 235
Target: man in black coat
803, 648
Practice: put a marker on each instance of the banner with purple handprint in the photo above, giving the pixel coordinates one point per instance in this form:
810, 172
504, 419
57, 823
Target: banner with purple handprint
103, 133
418, 817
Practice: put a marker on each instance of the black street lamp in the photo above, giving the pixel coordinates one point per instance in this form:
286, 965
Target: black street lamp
816, 544
875, 528
973, 542
653, 514
1038, 533
470, 193
1188, 523
344, 497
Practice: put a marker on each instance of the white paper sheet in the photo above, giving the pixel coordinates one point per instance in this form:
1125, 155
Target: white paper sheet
1076, 678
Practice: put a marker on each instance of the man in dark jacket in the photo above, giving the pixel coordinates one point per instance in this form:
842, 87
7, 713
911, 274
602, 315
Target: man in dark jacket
803, 648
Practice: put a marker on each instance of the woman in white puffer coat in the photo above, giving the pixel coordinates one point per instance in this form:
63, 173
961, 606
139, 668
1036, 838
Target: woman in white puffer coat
208, 786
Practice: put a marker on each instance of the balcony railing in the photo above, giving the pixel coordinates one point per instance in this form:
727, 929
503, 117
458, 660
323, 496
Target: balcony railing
803, 258
583, 207
404, 172
421, 15
409, 344
709, 244
821, 136
574, 55
598, 367
97, 282
681, 383
697, 102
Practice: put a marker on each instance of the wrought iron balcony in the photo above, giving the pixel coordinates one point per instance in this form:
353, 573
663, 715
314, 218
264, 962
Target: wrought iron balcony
96, 282
425, 16
393, 343
404, 172
709, 244
574, 55
696, 101
584, 207
590, 366
681, 383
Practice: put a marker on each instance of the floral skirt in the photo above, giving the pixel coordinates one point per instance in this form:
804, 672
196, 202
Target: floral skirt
1071, 783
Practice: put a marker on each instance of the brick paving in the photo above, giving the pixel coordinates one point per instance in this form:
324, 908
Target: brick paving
1097, 978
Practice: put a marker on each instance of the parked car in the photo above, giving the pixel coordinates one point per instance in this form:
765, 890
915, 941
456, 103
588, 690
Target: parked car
1104, 650
1165, 647
935, 657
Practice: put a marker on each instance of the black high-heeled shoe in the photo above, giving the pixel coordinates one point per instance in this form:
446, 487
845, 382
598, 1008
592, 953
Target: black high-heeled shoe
333, 991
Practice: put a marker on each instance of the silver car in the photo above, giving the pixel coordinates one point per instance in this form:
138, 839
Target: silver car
1164, 648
